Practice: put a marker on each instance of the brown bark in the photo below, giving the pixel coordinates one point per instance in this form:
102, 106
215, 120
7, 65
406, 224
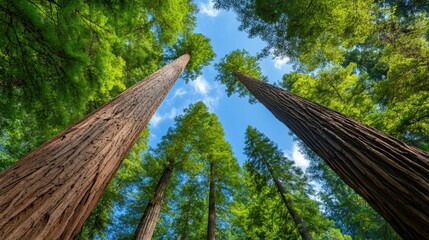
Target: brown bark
299, 222
211, 230
148, 222
51, 191
390, 175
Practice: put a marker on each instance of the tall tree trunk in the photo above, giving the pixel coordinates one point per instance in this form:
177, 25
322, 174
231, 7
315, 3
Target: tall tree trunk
211, 230
392, 176
148, 222
51, 191
299, 222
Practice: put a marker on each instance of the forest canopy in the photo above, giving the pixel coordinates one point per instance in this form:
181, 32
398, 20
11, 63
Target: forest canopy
60, 60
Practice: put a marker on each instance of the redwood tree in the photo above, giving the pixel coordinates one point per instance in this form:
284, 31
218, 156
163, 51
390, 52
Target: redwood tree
51, 191
392, 176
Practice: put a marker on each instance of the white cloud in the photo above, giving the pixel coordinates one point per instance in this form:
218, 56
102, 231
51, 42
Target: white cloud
201, 85
172, 114
299, 158
208, 9
155, 120
211, 102
198, 90
279, 62
179, 92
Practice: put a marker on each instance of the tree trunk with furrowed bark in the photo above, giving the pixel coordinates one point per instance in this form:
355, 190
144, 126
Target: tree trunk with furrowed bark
150, 217
390, 175
50, 192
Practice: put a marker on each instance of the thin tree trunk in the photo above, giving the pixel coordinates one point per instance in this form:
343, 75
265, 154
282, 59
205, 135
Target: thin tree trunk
211, 230
184, 233
392, 176
51, 191
299, 222
148, 222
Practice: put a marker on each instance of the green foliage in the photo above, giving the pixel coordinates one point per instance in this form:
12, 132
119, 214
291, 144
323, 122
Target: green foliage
199, 47
308, 31
171, 18
261, 213
238, 61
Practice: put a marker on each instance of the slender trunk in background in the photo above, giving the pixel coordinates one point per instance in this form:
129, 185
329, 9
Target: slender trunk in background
148, 222
50, 192
211, 230
390, 175
184, 233
299, 222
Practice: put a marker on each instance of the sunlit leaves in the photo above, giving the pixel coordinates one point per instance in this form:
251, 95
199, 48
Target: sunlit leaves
199, 47
238, 61
311, 32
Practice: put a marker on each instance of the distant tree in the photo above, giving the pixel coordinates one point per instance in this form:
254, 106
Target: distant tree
262, 154
267, 163
177, 150
222, 173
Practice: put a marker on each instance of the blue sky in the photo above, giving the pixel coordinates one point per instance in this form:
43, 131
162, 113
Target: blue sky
234, 113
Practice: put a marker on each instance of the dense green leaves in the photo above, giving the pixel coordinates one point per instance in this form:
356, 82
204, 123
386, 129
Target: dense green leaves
198, 46
309, 31
238, 61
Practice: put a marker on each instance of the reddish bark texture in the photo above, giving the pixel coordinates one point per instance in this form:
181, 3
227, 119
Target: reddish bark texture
392, 176
50, 192
150, 217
